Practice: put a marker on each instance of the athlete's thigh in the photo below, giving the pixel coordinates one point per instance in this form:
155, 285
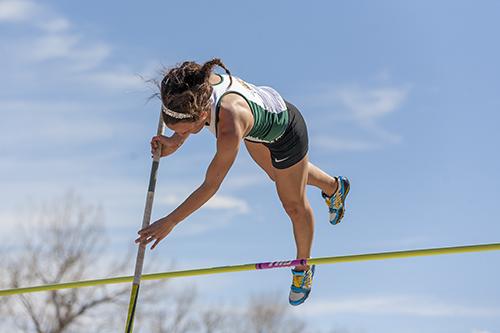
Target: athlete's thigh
291, 182
262, 156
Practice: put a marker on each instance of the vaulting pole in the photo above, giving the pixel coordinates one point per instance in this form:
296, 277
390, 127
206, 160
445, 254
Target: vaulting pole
139, 263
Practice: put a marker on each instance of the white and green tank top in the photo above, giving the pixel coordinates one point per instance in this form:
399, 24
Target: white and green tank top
269, 110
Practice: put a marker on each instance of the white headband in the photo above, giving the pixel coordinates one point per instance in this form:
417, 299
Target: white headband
173, 114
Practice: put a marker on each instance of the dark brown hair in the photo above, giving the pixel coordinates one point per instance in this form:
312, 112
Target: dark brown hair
185, 89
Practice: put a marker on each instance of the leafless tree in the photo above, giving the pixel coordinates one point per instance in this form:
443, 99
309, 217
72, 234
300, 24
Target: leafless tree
269, 314
214, 320
66, 241
263, 314
176, 315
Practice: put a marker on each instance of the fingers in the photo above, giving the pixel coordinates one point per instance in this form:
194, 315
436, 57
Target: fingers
156, 141
154, 232
154, 144
145, 232
144, 240
148, 240
147, 235
156, 243
144, 235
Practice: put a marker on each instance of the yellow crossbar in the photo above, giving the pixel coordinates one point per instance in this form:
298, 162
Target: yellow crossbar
249, 267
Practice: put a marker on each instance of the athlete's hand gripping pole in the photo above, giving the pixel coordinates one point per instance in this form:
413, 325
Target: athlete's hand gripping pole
145, 222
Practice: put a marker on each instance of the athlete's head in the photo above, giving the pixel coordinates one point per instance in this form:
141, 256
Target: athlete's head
185, 93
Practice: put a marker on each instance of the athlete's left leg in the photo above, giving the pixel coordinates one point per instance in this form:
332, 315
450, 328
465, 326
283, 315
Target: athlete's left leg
290, 184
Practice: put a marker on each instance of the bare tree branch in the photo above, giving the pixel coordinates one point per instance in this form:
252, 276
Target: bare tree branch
64, 245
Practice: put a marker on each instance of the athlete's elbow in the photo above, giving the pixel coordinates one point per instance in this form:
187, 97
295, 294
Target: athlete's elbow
211, 186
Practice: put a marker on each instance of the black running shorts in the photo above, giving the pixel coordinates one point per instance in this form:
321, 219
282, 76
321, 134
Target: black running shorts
293, 145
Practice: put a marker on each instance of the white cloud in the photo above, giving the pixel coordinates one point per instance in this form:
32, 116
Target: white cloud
55, 49
399, 305
217, 202
76, 54
245, 180
17, 10
198, 227
217, 213
116, 80
229, 203
343, 144
121, 199
481, 331
368, 106
57, 24
50, 124
51, 46
54, 136
371, 104
356, 125
401, 242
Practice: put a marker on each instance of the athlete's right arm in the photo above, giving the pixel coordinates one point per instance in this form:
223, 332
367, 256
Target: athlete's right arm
169, 144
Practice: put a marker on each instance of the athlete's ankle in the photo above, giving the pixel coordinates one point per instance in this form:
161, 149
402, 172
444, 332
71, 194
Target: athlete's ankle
301, 268
333, 185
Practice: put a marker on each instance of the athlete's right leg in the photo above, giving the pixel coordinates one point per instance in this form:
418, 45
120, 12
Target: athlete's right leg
322, 180
329, 186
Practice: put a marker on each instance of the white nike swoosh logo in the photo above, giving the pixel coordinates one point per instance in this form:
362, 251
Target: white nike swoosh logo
277, 161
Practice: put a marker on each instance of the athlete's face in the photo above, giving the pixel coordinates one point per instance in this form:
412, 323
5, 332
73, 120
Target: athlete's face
189, 127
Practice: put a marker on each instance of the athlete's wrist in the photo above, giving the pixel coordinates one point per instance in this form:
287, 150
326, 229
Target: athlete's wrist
172, 219
179, 139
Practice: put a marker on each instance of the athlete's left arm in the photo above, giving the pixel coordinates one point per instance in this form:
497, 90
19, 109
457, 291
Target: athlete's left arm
230, 133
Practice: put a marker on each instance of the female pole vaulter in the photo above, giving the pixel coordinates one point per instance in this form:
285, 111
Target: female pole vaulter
275, 135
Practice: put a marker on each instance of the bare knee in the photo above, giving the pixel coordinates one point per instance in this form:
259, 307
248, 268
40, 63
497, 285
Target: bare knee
294, 208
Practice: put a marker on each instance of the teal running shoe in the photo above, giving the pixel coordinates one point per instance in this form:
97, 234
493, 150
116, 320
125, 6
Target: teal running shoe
301, 285
336, 203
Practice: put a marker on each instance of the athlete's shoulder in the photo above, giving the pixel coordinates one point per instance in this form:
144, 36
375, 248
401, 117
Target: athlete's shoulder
233, 112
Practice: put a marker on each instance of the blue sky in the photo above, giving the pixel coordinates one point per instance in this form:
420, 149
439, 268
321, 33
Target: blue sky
400, 97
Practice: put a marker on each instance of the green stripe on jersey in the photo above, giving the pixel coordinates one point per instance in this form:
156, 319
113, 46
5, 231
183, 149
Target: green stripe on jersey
268, 126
